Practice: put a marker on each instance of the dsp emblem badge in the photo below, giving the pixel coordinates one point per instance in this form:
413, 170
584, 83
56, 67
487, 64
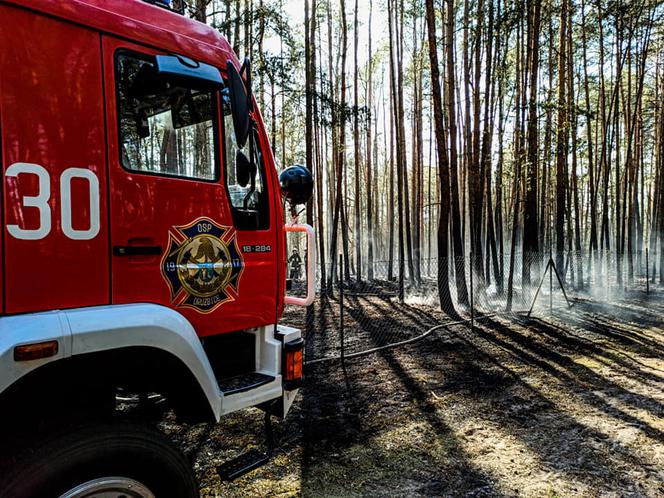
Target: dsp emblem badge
202, 265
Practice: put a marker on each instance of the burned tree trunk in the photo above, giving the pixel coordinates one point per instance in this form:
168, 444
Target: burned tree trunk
443, 174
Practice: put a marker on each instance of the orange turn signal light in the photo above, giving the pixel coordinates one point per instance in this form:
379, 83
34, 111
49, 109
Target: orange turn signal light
35, 351
293, 363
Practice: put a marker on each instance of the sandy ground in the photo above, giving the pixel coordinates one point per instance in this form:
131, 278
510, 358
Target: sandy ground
569, 404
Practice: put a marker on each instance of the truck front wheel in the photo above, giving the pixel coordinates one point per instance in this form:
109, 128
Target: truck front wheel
109, 460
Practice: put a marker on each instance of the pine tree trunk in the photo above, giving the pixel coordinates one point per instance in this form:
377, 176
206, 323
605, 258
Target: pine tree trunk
518, 159
577, 257
530, 222
369, 103
561, 140
310, 86
452, 181
443, 174
356, 152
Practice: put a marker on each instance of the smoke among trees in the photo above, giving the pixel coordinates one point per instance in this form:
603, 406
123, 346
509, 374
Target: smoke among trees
487, 133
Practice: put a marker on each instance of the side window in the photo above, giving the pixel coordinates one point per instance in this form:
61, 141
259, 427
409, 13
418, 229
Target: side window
164, 129
249, 199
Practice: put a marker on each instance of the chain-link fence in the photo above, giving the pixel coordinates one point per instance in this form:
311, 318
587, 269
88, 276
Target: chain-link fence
389, 303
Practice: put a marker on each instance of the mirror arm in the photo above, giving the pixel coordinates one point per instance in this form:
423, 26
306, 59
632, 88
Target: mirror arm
192, 108
246, 69
254, 168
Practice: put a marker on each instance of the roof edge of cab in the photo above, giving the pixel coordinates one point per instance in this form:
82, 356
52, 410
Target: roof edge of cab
141, 22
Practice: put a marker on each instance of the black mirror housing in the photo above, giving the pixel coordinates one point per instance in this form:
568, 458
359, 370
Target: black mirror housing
244, 168
142, 124
297, 184
182, 71
239, 104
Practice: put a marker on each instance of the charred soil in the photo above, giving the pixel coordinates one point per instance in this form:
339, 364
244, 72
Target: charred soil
568, 404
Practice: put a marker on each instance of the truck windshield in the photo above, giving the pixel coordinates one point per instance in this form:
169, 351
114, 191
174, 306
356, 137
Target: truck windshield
164, 129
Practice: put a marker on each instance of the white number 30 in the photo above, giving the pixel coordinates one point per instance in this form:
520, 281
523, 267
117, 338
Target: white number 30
40, 201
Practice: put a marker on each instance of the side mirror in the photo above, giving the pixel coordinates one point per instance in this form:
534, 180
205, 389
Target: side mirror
297, 184
182, 71
244, 169
142, 124
240, 102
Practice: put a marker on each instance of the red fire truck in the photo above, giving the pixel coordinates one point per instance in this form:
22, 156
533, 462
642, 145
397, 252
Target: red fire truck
143, 247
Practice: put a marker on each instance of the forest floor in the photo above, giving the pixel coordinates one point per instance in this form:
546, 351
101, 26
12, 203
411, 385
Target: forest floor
563, 405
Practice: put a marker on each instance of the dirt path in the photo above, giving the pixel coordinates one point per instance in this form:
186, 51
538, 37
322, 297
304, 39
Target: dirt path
567, 405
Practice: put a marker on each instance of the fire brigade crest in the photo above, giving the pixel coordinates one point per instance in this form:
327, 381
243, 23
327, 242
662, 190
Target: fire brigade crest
202, 265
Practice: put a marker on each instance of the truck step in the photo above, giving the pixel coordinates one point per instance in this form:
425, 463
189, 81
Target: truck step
244, 382
241, 465
252, 459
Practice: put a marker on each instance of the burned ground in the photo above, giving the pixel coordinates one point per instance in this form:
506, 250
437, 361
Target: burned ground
568, 404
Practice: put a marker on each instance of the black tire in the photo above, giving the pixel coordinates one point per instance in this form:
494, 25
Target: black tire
102, 450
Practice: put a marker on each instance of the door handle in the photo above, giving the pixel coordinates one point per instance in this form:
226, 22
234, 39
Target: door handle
136, 250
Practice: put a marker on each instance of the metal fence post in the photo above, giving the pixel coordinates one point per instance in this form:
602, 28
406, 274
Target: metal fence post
647, 274
341, 307
472, 294
551, 267
342, 332
608, 282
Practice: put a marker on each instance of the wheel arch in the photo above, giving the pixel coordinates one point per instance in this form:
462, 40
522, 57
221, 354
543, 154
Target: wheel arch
85, 386
145, 346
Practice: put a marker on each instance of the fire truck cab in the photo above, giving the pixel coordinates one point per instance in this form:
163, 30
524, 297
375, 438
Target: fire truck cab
143, 251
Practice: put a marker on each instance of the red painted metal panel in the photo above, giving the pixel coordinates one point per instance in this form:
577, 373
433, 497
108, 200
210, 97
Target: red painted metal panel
51, 116
51, 107
139, 22
277, 206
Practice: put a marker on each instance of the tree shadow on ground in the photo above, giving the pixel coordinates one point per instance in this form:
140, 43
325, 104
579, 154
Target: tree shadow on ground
478, 367
336, 420
556, 357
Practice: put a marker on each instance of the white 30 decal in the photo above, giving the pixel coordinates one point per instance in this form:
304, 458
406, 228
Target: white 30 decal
40, 201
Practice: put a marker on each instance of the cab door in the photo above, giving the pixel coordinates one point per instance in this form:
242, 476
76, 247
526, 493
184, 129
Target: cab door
175, 237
